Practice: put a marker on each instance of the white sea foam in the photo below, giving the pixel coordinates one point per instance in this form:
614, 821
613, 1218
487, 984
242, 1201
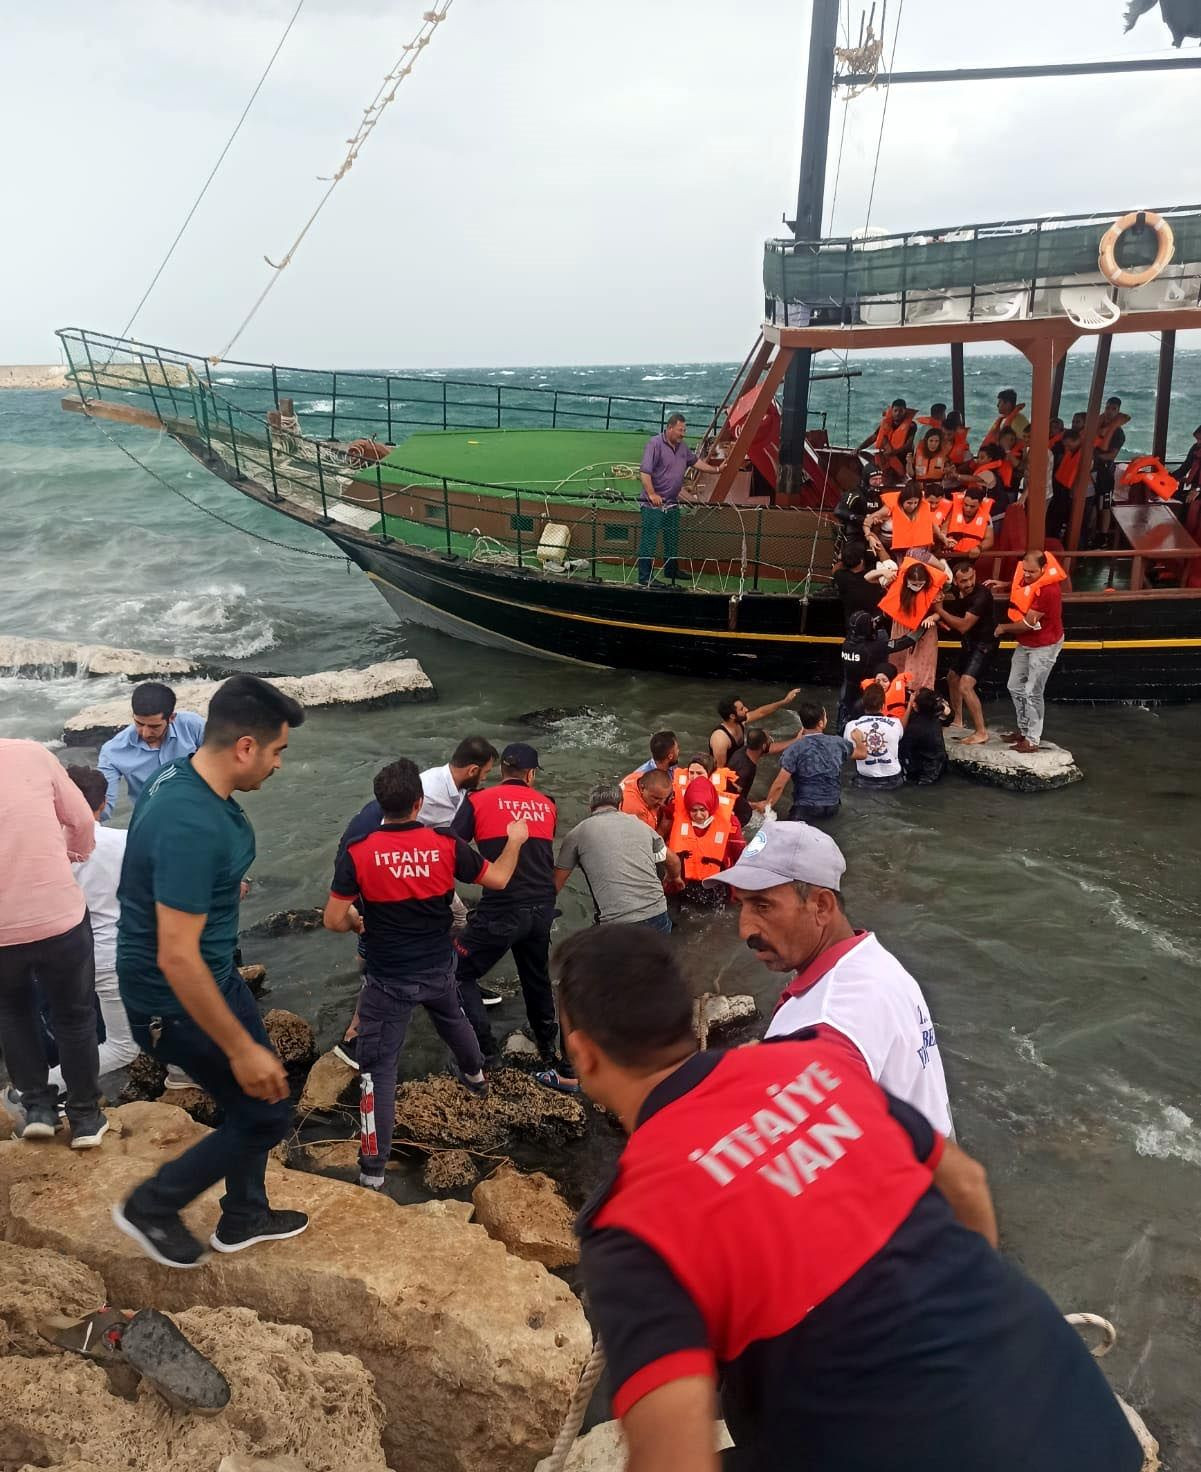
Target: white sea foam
655, 377
1160, 940
227, 381
594, 729
1159, 1128
317, 406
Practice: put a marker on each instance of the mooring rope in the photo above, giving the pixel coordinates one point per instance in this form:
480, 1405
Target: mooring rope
577, 1410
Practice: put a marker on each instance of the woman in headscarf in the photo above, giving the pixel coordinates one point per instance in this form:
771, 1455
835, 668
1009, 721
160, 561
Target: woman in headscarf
707, 837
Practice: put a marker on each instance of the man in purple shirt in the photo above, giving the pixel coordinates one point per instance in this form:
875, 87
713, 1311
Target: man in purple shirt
665, 462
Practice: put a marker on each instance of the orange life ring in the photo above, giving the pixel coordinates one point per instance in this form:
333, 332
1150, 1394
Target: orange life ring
1107, 261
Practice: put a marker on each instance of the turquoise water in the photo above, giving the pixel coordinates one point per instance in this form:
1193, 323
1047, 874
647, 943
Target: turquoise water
1058, 938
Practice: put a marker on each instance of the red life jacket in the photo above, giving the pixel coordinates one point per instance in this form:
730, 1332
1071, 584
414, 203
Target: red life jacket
890, 604
891, 436
907, 532
1054, 439
966, 535
1022, 595
896, 693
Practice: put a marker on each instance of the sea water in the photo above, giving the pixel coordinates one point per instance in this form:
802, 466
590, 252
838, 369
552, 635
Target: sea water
1058, 938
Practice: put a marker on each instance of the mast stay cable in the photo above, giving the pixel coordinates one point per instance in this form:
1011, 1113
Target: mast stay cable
212, 175
883, 118
385, 94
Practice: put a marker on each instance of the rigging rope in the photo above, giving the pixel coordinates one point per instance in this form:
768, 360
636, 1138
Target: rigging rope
883, 117
212, 175
385, 94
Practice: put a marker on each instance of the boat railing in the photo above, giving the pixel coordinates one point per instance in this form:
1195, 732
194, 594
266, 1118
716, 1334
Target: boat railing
355, 404
974, 272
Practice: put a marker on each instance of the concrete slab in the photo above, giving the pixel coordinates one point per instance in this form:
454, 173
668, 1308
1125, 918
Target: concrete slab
998, 764
397, 682
56, 658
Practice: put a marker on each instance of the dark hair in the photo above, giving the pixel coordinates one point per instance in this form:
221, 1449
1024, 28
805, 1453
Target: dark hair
908, 596
1083, 418
726, 707
854, 554
1010, 395
964, 563
662, 743
925, 702
1042, 556
873, 700
153, 699
397, 788
604, 795
757, 739
247, 706
623, 986
1113, 400
954, 420
887, 668
911, 490
932, 433
674, 419
91, 783
933, 407
810, 713
898, 404
473, 751
1072, 433
703, 759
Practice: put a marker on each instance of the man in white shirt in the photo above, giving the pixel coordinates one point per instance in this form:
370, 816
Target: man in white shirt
880, 769
446, 787
788, 888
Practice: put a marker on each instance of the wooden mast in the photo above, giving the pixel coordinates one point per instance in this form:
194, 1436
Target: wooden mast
1163, 394
1088, 438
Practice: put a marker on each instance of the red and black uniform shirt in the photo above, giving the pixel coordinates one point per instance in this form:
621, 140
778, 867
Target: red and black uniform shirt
484, 818
403, 877
773, 1223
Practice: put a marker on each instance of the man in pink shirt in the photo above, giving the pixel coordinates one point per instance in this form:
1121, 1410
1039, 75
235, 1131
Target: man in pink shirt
46, 936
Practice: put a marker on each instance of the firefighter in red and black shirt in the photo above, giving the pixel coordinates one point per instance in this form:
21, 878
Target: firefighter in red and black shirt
518, 919
782, 1233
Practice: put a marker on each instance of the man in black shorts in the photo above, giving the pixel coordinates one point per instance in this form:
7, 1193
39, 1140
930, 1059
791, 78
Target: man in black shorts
970, 613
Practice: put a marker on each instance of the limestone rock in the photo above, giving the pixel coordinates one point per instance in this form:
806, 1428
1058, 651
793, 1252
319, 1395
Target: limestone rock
50, 658
520, 1049
723, 1013
1044, 770
318, 1409
528, 1215
439, 1111
144, 1080
200, 1105
291, 1037
603, 1449
34, 1285
475, 1353
288, 922
447, 1170
255, 977
329, 1080
399, 681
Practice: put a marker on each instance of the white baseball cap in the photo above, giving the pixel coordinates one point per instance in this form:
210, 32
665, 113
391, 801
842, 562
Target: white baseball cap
786, 853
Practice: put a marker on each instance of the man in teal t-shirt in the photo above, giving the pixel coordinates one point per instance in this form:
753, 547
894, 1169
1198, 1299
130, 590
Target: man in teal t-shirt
189, 846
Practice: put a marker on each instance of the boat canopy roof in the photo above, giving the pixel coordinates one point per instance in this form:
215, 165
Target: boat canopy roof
970, 271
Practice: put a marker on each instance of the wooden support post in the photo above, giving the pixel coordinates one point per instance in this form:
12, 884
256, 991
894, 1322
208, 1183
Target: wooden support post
1163, 394
1041, 353
1057, 386
957, 393
759, 361
1088, 438
746, 434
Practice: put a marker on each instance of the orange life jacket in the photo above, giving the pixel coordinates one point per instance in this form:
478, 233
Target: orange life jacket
961, 451
965, 534
890, 604
909, 532
1152, 473
723, 779
1002, 421
892, 436
1054, 439
941, 511
1022, 595
930, 423
896, 694
928, 467
1002, 469
703, 853
1067, 469
1106, 432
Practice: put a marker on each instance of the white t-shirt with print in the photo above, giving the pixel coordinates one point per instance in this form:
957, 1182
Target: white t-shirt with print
882, 737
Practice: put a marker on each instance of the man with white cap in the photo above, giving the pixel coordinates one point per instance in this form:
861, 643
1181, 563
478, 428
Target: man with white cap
788, 885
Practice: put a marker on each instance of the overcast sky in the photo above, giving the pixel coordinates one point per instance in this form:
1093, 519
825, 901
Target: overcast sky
559, 181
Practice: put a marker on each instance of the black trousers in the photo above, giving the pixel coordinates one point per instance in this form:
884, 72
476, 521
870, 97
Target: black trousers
64, 969
491, 932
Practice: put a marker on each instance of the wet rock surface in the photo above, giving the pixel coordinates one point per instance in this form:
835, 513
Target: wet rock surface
291, 1037
997, 764
439, 1111
287, 922
719, 1014
54, 657
528, 1215
331, 1085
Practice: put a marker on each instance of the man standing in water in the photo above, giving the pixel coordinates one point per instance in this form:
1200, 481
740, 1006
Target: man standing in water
157, 736
665, 462
735, 717
189, 846
782, 1228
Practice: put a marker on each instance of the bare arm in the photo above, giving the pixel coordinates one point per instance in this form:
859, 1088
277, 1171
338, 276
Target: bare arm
672, 868
74, 815
961, 625
672, 1428
257, 1069
860, 745
776, 791
341, 915
652, 495
719, 746
561, 878
761, 713
500, 871
963, 1182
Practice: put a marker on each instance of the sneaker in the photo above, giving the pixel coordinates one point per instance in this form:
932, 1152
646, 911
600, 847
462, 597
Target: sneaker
490, 996
348, 1051
165, 1239
87, 1134
41, 1122
477, 1087
371, 1183
178, 1079
270, 1226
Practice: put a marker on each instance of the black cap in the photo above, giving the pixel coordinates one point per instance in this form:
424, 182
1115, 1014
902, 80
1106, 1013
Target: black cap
519, 756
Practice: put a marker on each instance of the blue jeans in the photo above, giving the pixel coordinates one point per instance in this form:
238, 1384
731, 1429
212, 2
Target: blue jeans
657, 922
385, 1007
237, 1149
659, 521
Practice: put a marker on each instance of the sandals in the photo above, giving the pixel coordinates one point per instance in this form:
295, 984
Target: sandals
550, 1078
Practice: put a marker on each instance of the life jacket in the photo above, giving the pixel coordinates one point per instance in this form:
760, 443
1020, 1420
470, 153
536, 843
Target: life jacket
941, 511
705, 852
1067, 469
1022, 595
965, 534
1002, 469
1002, 421
892, 436
1055, 439
961, 451
928, 467
723, 779
1106, 432
896, 694
890, 604
1151, 472
906, 533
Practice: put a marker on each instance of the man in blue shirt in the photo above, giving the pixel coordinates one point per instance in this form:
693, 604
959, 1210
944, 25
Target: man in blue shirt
158, 735
814, 763
665, 462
